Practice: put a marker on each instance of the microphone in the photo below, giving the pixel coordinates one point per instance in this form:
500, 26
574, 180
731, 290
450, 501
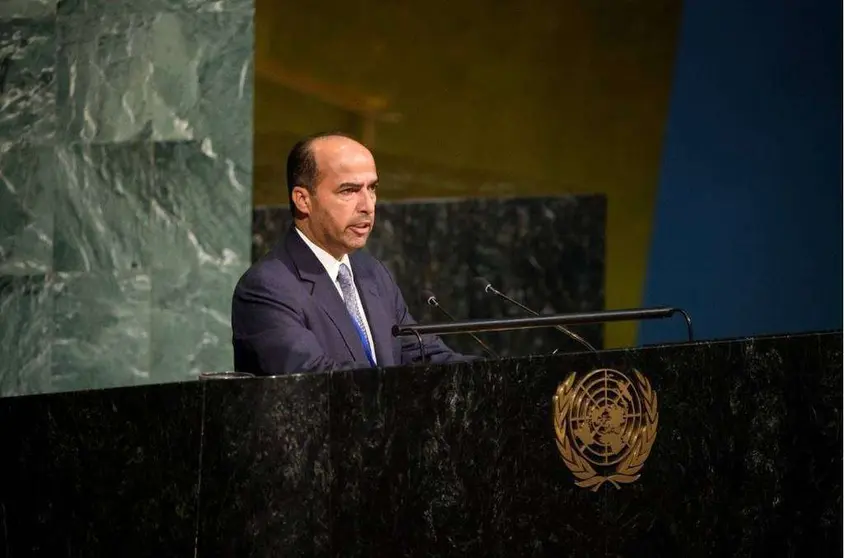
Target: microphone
487, 287
431, 300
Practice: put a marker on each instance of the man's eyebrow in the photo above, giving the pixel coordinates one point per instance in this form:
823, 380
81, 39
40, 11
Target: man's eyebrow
356, 184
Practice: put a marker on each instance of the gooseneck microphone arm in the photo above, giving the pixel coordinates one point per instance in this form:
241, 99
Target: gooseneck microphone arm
421, 346
488, 288
688, 322
431, 300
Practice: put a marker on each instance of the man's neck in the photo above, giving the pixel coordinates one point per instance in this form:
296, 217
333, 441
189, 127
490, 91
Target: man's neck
303, 228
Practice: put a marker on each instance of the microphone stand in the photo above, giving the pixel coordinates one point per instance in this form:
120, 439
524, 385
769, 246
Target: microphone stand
432, 301
553, 320
488, 288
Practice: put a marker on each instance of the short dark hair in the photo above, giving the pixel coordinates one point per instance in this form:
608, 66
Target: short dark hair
301, 164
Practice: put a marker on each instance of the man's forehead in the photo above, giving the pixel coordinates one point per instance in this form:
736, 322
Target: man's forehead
332, 145
341, 155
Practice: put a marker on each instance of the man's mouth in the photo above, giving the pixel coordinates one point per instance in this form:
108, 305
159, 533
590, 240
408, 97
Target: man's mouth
362, 227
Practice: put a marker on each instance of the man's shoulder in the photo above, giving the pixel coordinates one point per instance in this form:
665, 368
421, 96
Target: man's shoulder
272, 269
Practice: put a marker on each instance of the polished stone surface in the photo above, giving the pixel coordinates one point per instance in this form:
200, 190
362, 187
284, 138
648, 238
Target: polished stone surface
547, 253
27, 9
748, 460
442, 461
265, 468
102, 207
125, 188
197, 250
151, 6
101, 473
27, 198
453, 461
141, 74
28, 92
101, 325
27, 308
448, 460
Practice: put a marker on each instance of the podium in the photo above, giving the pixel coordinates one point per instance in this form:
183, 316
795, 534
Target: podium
716, 448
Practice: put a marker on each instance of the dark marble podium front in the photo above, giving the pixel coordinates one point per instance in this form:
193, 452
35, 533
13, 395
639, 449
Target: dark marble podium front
454, 460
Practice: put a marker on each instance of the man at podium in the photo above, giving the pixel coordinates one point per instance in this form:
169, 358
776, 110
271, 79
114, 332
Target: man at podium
316, 302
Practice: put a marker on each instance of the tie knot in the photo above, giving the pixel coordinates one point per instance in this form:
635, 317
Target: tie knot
344, 276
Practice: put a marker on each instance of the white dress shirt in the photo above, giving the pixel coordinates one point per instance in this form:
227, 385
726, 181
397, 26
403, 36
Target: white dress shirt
332, 267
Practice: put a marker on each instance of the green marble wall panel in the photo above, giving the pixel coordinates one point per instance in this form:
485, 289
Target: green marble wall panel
153, 6
27, 198
26, 307
198, 197
27, 81
104, 67
191, 330
27, 9
164, 76
125, 189
102, 206
101, 335
198, 252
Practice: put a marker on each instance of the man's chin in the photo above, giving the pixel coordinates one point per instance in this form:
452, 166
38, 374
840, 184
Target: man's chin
356, 242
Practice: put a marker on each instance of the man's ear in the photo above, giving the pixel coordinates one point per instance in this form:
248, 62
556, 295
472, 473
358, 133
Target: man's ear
301, 199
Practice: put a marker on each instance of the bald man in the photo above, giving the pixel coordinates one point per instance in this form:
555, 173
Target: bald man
316, 302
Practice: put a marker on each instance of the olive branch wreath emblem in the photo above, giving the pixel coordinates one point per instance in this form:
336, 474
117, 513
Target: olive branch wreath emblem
639, 443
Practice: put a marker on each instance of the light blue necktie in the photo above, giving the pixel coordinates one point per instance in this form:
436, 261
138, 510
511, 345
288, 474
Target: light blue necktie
350, 297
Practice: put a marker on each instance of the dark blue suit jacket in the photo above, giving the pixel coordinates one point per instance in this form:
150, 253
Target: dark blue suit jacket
288, 317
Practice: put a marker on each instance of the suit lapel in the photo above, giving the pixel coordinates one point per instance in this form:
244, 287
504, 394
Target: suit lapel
380, 323
325, 293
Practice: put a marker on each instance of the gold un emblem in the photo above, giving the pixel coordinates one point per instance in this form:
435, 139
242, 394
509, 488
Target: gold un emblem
606, 426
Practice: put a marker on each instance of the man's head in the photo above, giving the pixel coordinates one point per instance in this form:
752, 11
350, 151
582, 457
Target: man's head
332, 181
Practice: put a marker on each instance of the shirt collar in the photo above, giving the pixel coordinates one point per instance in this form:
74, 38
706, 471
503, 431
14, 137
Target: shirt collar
329, 262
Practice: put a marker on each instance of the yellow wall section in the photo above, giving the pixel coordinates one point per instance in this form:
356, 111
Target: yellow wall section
500, 98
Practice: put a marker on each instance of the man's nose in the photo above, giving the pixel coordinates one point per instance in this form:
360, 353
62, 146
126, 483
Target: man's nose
366, 201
